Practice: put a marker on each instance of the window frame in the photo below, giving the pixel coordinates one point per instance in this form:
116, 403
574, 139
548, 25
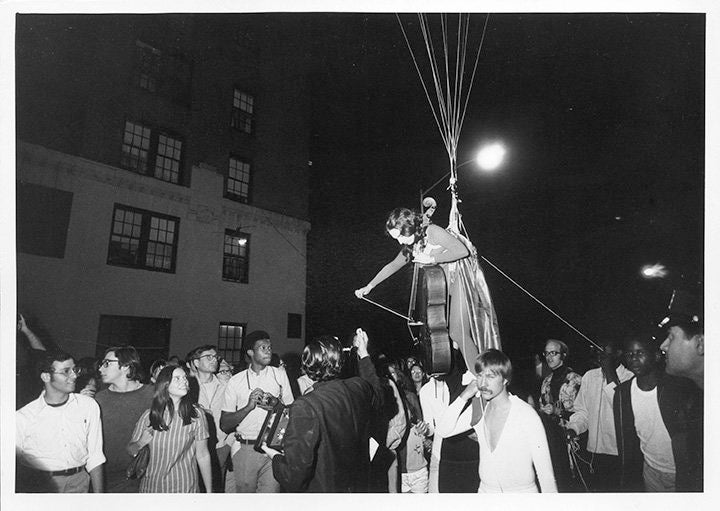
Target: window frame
223, 351
234, 233
153, 152
144, 239
226, 191
241, 113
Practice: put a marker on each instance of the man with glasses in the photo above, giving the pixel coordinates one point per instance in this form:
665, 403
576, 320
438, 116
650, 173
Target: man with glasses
243, 414
58, 437
121, 403
203, 362
557, 404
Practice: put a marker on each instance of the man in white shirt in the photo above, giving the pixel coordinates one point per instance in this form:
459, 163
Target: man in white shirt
513, 447
211, 392
594, 413
58, 437
243, 414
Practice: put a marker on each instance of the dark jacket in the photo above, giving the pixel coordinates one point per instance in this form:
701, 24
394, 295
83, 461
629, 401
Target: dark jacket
680, 403
326, 441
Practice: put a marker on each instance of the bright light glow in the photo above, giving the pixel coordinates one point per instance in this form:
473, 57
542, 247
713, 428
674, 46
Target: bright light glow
491, 156
242, 242
654, 271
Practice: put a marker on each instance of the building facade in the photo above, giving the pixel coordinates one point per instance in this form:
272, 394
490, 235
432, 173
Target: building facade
162, 182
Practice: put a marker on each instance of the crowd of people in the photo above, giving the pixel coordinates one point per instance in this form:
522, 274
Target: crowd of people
358, 423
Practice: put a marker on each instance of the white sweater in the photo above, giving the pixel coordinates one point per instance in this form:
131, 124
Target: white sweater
521, 452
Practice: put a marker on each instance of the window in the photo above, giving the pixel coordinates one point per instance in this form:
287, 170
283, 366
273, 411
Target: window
149, 65
142, 239
242, 115
294, 326
43, 217
143, 144
236, 256
167, 73
230, 339
237, 185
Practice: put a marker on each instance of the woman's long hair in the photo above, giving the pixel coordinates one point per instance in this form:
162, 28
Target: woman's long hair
425, 379
162, 402
409, 223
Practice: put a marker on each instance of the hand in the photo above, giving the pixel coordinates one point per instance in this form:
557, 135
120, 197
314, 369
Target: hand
363, 291
547, 409
469, 391
21, 324
255, 397
146, 436
424, 259
422, 428
89, 392
271, 453
360, 341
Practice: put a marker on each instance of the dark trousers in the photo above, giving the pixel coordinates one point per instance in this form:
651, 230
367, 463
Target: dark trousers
605, 475
459, 461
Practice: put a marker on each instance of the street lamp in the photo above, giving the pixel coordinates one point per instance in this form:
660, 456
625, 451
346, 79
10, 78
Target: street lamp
654, 271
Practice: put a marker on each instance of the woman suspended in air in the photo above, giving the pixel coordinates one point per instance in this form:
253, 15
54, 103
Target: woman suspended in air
472, 324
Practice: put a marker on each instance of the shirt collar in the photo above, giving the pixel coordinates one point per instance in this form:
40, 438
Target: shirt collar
72, 398
262, 372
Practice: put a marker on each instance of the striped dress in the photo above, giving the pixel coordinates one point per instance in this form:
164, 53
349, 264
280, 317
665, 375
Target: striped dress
173, 466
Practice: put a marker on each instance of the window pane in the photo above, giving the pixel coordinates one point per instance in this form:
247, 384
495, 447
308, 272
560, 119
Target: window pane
136, 141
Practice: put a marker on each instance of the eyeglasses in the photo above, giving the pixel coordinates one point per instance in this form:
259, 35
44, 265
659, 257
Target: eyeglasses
551, 353
208, 356
106, 362
68, 371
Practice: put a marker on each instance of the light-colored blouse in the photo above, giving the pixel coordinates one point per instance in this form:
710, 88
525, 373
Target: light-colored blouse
173, 464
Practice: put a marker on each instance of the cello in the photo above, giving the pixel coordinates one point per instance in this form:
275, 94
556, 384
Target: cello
428, 308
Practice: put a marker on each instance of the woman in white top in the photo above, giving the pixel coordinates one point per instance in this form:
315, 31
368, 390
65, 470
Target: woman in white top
511, 438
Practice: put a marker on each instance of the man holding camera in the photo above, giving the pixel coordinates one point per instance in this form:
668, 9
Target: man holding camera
248, 397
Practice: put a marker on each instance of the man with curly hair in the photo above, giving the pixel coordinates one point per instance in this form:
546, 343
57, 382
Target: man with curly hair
326, 444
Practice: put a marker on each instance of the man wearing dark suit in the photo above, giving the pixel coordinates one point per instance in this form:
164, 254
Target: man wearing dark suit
326, 444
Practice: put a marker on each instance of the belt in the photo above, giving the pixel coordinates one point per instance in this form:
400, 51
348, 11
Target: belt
66, 472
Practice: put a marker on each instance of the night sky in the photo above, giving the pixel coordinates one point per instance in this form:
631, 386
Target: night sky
603, 118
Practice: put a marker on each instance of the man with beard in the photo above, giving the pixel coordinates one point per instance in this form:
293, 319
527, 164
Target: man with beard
513, 448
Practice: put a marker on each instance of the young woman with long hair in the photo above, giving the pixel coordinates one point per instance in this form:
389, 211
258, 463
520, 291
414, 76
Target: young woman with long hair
177, 432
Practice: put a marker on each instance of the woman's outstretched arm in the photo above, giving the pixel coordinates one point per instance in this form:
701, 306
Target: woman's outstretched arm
386, 271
